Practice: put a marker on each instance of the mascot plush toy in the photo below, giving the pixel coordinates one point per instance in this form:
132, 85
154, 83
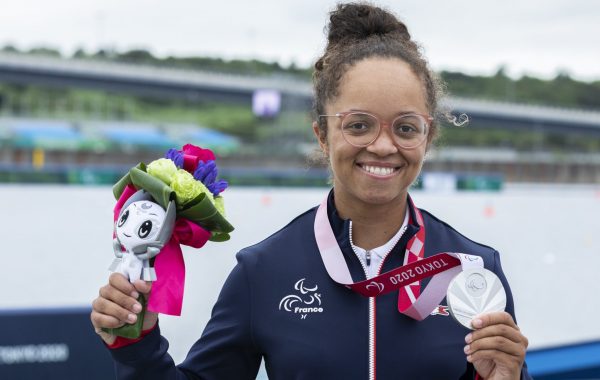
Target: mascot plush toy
141, 231
171, 201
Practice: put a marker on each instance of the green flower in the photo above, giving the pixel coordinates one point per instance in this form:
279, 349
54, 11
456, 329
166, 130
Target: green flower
163, 169
187, 188
220, 205
205, 191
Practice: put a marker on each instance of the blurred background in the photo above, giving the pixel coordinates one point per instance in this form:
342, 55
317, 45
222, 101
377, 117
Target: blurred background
89, 89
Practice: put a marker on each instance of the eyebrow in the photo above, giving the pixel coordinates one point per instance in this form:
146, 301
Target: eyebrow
399, 113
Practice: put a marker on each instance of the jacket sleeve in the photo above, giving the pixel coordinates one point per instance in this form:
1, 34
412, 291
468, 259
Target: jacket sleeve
510, 306
224, 351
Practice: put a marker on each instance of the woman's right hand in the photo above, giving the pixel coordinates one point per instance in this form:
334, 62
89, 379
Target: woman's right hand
117, 305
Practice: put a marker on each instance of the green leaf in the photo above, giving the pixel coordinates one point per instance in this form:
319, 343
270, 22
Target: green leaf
219, 237
161, 192
204, 213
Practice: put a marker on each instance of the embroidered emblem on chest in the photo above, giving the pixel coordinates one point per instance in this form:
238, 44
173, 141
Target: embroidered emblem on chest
306, 300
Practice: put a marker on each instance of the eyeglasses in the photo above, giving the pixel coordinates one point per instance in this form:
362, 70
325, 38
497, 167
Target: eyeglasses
361, 129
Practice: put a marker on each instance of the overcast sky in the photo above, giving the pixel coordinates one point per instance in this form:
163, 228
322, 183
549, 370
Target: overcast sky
538, 37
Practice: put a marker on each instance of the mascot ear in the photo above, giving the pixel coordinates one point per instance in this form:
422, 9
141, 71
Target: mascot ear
164, 235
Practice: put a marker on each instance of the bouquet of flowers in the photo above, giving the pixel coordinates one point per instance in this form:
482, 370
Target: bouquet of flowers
171, 201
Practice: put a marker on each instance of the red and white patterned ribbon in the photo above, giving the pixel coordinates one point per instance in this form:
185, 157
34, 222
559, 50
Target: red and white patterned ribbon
407, 278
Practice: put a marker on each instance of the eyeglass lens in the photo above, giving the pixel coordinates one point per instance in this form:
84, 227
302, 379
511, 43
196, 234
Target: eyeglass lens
362, 129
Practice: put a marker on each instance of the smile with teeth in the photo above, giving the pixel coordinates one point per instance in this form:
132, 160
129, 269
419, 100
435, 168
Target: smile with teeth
378, 170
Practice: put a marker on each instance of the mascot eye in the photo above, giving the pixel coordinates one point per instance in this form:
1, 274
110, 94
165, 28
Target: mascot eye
145, 229
123, 218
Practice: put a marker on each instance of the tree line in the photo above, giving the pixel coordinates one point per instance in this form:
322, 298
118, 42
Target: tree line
289, 129
561, 91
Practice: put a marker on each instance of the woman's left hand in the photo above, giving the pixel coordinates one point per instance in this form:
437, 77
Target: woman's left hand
496, 348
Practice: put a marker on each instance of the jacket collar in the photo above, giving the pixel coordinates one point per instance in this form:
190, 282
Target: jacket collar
341, 230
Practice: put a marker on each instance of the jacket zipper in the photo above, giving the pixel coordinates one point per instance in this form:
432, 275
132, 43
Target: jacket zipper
371, 324
372, 338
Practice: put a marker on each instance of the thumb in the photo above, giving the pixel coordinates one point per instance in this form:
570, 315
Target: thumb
143, 287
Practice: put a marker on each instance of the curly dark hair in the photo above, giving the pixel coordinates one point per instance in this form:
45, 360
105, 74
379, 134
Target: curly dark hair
357, 31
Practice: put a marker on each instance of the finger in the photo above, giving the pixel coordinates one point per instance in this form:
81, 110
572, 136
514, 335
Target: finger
118, 281
100, 321
496, 343
113, 294
108, 308
499, 317
143, 287
501, 359
108, 338
496, 330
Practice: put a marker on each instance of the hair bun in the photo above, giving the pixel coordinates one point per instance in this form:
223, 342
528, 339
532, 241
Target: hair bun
360, 20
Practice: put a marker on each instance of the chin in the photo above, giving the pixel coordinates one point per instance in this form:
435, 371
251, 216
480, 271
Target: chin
381, 198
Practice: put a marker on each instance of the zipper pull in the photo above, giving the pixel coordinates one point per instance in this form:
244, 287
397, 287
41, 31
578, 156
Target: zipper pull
368, 258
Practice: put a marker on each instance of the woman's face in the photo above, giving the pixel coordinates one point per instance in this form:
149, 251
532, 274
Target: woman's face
381, 172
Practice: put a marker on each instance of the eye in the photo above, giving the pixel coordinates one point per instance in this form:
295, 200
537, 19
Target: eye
409, 126
123, 218
145, 229
405, 128
359, 124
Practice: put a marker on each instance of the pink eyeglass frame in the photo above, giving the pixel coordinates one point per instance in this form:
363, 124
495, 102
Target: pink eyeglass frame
342, 115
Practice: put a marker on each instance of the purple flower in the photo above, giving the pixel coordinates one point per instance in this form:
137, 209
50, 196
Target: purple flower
206, 172
217, 187
175, 156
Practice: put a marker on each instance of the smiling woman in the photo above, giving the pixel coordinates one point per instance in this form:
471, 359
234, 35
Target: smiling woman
363, 251
377, 175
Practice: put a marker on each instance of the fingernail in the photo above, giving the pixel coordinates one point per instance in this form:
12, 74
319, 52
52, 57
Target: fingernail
137, 308
467, 349
469, 358
469, 338
477, 323
131, 318
135, 294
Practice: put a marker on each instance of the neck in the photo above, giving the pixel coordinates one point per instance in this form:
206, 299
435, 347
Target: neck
373, 225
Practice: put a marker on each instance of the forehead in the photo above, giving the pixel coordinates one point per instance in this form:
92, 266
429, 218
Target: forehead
381, 85
146, 207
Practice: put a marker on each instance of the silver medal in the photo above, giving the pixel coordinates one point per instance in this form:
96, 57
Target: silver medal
473, 292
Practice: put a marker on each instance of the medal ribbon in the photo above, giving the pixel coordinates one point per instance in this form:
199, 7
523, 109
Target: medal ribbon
407, 278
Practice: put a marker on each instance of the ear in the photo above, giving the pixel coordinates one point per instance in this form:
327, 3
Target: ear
322, 140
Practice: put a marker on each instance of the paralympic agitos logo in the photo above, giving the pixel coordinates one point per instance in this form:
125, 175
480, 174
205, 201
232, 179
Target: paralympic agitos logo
309, 301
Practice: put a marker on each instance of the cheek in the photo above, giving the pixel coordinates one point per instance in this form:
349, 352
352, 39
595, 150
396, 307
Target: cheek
120, 231
154, 233
339, 154
127, 242
416, 156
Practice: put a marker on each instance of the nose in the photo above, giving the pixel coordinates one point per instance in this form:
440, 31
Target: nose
384, 144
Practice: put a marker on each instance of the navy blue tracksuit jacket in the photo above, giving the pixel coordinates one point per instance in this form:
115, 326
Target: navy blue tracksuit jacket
280, 304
